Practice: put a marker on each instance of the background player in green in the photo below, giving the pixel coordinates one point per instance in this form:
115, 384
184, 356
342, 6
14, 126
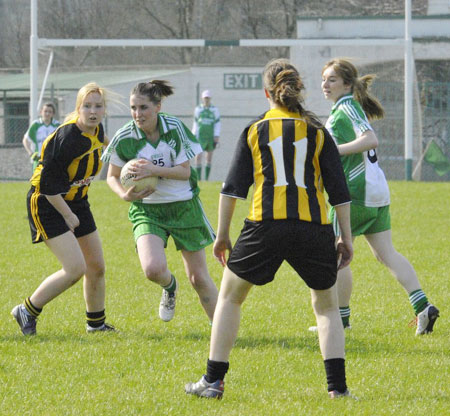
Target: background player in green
206, 128
348, 124
39, 130
164, 147
59, 213
288, 158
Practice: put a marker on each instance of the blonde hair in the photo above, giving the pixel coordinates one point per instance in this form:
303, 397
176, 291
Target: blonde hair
360, 86
84, 91
284, 85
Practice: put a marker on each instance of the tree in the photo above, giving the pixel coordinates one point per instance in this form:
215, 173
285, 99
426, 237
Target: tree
14, 33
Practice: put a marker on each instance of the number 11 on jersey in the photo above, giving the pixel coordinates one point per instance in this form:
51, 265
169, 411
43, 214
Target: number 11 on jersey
276, 148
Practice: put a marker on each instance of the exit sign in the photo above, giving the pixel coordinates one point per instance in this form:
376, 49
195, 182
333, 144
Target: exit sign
242, 81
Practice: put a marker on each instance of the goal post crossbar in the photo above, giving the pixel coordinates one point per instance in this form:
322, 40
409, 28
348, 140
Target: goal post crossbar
183, 43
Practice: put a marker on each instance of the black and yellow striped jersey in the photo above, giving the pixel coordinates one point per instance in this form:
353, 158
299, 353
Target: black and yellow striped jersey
70, 159
290, 163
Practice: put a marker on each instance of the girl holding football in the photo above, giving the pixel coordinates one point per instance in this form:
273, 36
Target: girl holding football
59, 213
349, 125
164, 147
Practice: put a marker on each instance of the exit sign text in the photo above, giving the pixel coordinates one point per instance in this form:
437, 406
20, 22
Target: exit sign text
242, 81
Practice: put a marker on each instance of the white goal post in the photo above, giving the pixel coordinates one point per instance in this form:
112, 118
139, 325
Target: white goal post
37, 43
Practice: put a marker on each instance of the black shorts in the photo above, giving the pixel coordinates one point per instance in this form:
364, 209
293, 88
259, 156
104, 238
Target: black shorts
308, 247
46, 222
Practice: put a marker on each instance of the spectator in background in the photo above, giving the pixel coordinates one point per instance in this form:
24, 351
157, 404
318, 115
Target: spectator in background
38, 132
206, 128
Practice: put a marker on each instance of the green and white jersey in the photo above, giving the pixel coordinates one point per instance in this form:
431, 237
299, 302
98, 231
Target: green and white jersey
365, 179
206, 122
38, 132
176, 145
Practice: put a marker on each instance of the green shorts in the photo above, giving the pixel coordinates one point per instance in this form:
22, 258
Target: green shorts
207, 144
365, 220
185, 221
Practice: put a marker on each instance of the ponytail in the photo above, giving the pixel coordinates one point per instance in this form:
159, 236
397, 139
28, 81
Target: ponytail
370, 104
285, 86
155, 90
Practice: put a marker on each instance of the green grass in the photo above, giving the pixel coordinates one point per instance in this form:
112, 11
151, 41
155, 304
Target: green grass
276, 368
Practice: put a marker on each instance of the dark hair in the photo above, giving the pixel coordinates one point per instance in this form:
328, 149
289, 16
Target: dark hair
284, 85
51, 105
155, 90
360, 86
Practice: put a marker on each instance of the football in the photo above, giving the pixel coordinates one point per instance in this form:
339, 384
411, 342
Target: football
127, 179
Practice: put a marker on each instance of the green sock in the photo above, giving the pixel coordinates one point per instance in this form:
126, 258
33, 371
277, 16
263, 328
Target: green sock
418, 300
171, 287
207, 170
345, 315
199, 172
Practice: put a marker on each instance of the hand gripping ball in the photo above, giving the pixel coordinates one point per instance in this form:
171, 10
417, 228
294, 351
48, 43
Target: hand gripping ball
127, 179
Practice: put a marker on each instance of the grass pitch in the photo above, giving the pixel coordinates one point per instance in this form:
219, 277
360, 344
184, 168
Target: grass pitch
276, 368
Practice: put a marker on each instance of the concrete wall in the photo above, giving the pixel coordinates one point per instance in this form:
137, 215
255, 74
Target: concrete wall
372, 27
438, 7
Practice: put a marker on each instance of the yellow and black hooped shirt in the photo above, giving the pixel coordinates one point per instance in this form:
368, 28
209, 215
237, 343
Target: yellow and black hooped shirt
290, 164
70, 159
